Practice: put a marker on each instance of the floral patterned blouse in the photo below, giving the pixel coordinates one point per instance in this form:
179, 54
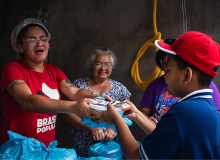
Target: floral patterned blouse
82, 139
118, 91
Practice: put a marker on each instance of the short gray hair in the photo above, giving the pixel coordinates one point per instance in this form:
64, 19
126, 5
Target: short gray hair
103, 51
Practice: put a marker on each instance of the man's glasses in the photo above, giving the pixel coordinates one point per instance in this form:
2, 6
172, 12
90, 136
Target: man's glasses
33, 41
100, 65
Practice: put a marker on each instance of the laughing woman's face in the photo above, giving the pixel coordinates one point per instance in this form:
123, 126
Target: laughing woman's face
35, 53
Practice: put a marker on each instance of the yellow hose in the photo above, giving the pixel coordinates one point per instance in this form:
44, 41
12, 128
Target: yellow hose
157, 72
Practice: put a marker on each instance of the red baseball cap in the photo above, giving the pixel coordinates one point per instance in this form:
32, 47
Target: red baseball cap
195, 48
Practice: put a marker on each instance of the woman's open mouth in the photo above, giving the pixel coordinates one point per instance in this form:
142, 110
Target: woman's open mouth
40, 51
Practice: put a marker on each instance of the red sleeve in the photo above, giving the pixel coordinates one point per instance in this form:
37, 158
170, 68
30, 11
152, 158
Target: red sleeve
60, 75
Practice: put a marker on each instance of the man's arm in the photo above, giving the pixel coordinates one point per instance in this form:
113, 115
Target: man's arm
143, 121
130, 148
128, 143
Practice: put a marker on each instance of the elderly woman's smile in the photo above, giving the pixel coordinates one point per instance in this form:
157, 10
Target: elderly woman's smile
102, 66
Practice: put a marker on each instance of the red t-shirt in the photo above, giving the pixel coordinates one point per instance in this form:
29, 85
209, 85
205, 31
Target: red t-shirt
30, 124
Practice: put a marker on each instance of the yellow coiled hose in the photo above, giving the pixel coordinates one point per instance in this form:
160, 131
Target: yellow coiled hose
157, 72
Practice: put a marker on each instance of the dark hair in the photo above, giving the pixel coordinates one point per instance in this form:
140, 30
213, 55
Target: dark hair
160, 54
24, 30
204, 80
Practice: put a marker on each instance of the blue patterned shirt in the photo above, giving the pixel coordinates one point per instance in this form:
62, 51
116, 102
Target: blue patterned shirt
118, 91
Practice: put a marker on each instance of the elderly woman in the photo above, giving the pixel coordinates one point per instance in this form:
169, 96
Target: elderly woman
31, 88
101, 62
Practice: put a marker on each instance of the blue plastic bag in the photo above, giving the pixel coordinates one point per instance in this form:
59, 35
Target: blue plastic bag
51, 153
105, 149
21, 147
7, 157
96, 158
18, 145
92, 124
127, 121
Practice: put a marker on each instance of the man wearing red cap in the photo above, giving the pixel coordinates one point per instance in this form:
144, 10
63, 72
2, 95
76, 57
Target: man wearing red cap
191, 128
